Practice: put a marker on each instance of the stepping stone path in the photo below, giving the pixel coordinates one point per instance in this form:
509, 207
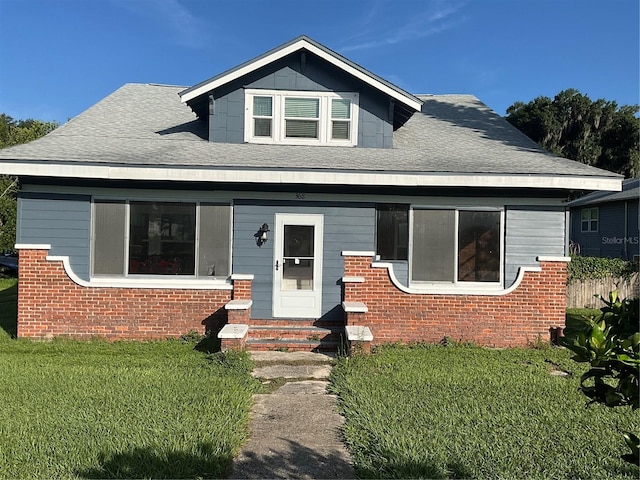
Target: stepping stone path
295, 430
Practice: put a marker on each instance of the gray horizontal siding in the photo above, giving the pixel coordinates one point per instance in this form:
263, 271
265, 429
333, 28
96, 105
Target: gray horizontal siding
63, 221
345, 228
531, 232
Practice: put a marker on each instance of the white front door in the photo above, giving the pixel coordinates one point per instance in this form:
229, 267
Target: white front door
297, 266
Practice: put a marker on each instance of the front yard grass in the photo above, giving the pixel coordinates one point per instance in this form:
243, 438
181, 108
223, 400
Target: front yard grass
467, 412
95, 409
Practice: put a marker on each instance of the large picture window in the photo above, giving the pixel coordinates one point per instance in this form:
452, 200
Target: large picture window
290, 117
161, 238
442, 245
456, 246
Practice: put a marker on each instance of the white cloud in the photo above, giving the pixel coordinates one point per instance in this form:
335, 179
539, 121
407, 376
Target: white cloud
439, 16
184, 28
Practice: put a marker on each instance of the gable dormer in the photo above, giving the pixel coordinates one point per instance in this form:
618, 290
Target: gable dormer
301, 93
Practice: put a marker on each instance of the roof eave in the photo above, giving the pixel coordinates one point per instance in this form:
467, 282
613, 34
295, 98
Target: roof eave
291, 47
311, 177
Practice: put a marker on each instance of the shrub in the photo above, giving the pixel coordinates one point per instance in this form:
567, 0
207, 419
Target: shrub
594, 268
610, 343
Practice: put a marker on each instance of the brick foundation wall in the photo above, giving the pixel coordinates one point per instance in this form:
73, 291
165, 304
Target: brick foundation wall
51, 304
516, 318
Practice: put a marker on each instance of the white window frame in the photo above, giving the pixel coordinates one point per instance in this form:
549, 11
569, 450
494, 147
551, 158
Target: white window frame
591, 219
173, 278
278, 119
456, 283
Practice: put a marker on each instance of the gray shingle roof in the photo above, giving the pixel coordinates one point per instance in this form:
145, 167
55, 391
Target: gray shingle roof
147, 125
630, 191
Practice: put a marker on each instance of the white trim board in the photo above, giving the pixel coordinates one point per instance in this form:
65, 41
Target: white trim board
279, 53
313, 177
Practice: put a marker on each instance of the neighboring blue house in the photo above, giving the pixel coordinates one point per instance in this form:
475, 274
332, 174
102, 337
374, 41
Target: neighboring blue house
163, 202
605, 224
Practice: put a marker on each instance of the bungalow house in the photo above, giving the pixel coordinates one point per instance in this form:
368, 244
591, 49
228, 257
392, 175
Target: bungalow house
605, 224
288, 202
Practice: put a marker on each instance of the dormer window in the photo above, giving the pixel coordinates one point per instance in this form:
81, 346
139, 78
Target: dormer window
301, 118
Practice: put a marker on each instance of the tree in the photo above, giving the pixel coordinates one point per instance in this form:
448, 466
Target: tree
14, 132
596, 133
610, 343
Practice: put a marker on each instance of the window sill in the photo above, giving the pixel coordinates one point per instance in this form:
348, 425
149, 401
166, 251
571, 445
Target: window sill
170, 282
493, 289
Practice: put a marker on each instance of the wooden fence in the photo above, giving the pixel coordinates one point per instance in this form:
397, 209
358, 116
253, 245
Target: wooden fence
581, 294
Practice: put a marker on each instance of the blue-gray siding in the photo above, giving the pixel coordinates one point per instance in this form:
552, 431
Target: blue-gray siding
63, 221
616, 236
346, 227
531, 232
226, 124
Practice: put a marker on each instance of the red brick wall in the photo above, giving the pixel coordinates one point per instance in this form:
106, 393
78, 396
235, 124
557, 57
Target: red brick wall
517, 318
51, 304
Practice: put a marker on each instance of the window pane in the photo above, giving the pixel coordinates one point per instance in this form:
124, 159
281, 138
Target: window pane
215, 227
301, 129
478, 246
340, 131
162, 238
262, 106
298, 241
433, 254
585, 214
301, 107
262, 127
392, 231
108, 237
297, 274
340, 108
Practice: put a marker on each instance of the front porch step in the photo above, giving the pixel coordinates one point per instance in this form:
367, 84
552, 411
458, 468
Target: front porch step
276, 332
292, 345
297, 322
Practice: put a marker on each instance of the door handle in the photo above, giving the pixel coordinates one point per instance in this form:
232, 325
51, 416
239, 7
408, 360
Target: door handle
277, 265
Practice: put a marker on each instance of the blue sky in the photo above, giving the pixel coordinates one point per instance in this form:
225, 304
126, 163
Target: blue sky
59, 57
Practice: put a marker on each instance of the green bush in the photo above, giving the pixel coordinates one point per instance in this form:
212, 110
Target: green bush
610, 343
594, 268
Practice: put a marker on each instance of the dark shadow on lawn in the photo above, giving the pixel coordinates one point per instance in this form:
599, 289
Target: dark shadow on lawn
150, 463
289, 459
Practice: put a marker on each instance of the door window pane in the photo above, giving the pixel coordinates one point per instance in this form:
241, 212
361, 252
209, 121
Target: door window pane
108, 237
162, 238
478, 246
297, 274
297, 262
433, 246
298, 241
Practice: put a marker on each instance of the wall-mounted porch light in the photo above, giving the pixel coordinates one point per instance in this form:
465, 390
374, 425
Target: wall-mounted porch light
261, 235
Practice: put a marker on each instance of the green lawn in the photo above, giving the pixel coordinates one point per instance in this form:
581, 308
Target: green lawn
94, 409
467, 412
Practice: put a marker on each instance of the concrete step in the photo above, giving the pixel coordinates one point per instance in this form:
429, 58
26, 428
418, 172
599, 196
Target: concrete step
295, 332
297, 322
294, 345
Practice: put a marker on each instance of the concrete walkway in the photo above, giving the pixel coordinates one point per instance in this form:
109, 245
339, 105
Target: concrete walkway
295, 430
